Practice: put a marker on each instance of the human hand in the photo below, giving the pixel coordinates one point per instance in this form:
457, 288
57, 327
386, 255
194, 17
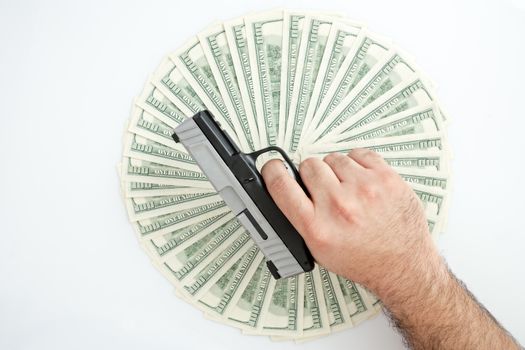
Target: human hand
362, 221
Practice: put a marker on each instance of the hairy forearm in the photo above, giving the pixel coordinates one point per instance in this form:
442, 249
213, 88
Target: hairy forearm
434, 310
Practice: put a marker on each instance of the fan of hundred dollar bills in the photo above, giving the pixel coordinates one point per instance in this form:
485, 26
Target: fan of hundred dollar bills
311, 83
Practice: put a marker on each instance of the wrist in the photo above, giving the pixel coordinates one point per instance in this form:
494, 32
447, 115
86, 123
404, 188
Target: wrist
416, 275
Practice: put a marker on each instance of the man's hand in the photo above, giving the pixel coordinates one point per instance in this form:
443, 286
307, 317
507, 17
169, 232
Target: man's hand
365, 223
362, 219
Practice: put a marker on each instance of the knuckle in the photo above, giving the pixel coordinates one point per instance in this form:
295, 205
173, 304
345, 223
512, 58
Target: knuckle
369, 190
320, 240
278, 184
309, 225
363, 153
342, 209
336, 159
388, 176
359, 151
332, 156
307, 167
308, 163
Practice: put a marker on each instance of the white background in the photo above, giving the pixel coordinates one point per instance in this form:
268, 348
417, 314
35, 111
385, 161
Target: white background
72, 275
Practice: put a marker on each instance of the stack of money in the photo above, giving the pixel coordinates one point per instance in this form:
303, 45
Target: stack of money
311, 83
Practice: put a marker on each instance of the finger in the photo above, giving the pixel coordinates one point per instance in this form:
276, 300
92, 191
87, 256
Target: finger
345, 168
287, 194
319, 179
367, 158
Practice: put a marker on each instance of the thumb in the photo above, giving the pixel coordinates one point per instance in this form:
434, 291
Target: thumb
288, 195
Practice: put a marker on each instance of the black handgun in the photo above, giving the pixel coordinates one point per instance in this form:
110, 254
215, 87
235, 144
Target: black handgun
236, 178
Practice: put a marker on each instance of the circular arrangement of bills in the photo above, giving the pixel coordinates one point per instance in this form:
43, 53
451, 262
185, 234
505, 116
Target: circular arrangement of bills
311, 83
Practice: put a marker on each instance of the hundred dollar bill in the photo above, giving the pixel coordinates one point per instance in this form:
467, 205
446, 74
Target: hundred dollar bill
148, 126
139, 147
412, 93
338, 315
159, 245
228, 288
315, 314
315, 36
192, 63
403, 143
247, 311
134, 189
393, 71
198, 284
425, 177
284, 313
358, 306
339, 43
155, 102
138, 170
425, 160
435, 225
148, 207
173, 221
215, 47
235, 32
188, 261
264, 38
366, 53
420, 119
434, 199
293, 23
170, 81
372, 298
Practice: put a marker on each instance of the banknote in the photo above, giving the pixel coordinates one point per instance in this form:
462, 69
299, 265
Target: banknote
402, 143
200, 282
159, 244
138, 147
366, 52
425, 177
293, 23
264, 34
215, 47
359, 307
284, 314
193, 65
152, 128
391, 72
338, 315
138, 170
186, 262
153, 100
315, 314
317, 31
425, 160
409, 94
340, 42
172, 221
247, 311
226, 291
133, 189
235, 32
148, 207
419, 119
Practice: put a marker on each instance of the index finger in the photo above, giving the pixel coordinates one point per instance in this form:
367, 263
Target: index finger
287, 194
